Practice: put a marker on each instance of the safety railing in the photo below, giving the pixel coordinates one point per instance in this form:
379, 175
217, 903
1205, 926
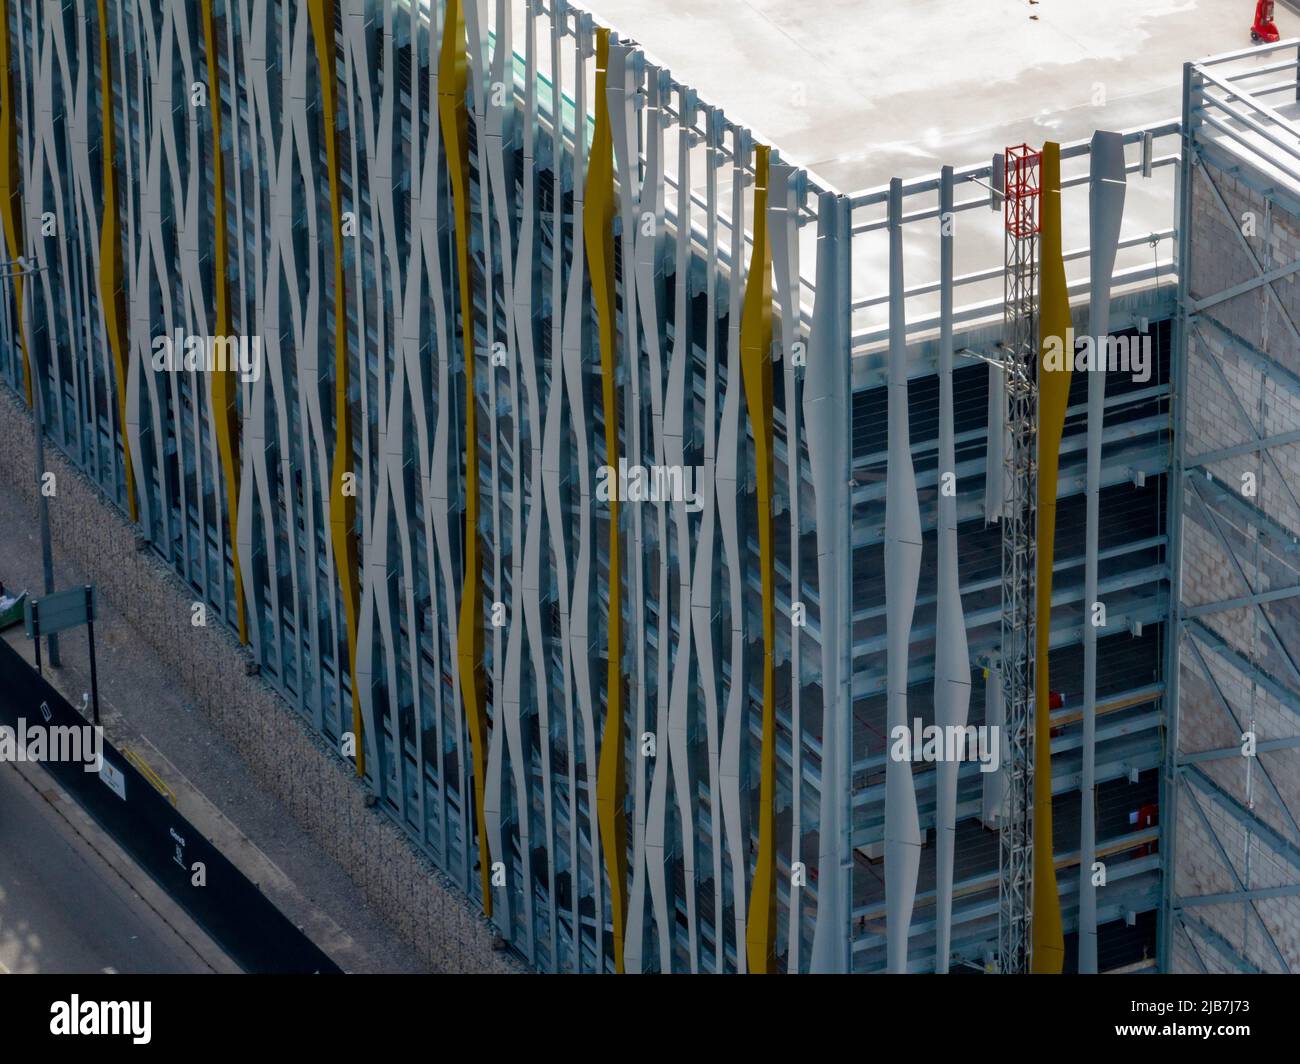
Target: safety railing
1146, 246
560, 28
1146, 250
1259, 118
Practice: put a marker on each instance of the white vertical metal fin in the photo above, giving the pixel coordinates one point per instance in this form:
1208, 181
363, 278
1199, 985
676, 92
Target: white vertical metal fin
951, 657
902, 571
441, 498
704, 604
530, 585
680, 384
650, 230
496, 151
735, 726
783, 209
583, 642
825, 405
560, 551
1106, 188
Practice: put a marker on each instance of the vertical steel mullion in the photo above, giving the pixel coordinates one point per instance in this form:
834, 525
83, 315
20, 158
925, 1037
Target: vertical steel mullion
844, 549
1107, 179
952, 680
1169, 779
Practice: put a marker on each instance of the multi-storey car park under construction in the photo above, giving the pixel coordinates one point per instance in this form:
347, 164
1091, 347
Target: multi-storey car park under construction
611, 490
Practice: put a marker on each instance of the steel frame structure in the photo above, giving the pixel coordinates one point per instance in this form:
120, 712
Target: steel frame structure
464, 792
974, 935
1235, 560
482, 625
1019, 366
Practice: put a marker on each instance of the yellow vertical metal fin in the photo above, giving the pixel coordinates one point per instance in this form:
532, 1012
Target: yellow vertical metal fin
598, 231
11, 203
756, 368
111, 295
454, 119
225, 407
1047, 939
343, 505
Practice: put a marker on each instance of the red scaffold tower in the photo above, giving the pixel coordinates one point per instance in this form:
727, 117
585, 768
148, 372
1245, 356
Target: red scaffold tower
1021, 202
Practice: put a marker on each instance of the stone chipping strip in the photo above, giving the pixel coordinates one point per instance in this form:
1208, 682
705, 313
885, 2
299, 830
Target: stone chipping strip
388, 868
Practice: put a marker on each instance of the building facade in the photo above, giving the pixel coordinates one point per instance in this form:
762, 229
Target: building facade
532, 424
487, 462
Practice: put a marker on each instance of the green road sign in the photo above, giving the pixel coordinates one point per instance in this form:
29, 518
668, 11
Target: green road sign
63, 609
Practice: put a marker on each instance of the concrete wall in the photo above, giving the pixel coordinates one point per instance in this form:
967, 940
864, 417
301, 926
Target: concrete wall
1239, 814
284, 756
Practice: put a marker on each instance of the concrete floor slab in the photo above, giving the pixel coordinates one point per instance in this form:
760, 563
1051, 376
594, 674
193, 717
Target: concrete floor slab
863, 92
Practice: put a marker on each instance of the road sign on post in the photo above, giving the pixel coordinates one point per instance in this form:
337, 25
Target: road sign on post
64, 609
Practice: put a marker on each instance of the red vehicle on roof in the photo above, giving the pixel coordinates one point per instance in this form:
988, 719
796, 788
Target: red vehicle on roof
1265, 29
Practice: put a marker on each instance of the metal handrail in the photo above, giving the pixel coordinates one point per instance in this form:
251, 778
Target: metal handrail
1239, 114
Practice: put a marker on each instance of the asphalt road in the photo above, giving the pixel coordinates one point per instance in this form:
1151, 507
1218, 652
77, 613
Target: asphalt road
63, 908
